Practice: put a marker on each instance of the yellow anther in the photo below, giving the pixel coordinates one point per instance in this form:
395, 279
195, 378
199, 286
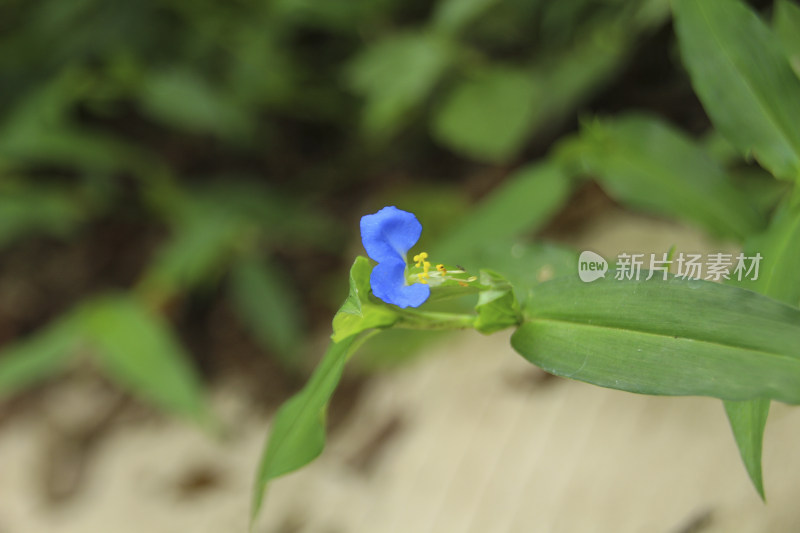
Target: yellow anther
440, 267
425, 267
420, 257
425, 281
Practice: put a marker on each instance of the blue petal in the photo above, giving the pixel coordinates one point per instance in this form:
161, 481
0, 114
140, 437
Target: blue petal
388, 283
389, 234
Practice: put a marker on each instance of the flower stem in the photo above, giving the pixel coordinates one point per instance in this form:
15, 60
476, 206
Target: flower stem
430, 320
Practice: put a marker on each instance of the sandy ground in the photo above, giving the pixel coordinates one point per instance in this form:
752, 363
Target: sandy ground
469, 438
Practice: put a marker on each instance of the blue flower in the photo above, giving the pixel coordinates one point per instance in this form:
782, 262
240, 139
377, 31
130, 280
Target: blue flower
387, 236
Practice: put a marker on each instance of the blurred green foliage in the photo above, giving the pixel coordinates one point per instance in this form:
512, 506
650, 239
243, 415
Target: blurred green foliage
243, 134
242, 140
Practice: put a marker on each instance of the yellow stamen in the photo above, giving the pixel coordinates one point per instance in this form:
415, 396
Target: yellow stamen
420, 257
440, 267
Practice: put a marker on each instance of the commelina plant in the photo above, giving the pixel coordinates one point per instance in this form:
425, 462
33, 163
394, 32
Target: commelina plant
671, 336
666, 337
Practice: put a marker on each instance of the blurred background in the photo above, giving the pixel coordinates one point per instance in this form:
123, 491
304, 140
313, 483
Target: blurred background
180, 190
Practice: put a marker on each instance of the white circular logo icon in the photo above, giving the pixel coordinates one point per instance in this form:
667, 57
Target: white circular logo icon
591, 266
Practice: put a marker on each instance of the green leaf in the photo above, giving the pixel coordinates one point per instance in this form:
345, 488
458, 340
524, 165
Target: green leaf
566, 79
359, 313
184, 100
779, 248
39, 356
39, 129
787, 26
395, 75
283, 219
453, 15
675, 337
720, 149
488, 117
264, 301
748, 420
743, 79
138, 350
760, 187
647, 164
37, 209
777, 279
497, 308
202, 243
523, 203
297, 435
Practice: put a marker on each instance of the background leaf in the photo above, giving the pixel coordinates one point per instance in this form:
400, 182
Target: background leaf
39, 356
30, 210
566, 79
649, 165
202, 243
744, 80
489, 115
395, 75
452, 15
674, 337
139, 351
787, 26
181, 99
265, 303
779, 248
532, 194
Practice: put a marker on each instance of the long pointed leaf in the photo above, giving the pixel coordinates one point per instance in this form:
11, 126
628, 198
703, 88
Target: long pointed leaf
648, 164
139, 351
674, 337
744, 80
787, 25
38, 357
268, 307
778, 280
748, 420
297, 435
522, 204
